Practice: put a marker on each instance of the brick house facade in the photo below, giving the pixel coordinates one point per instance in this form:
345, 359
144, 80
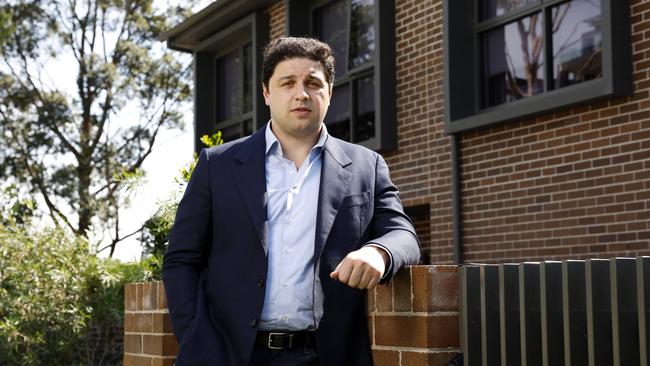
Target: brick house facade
569, 183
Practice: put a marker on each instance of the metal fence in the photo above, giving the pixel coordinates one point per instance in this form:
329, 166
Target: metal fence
593, 312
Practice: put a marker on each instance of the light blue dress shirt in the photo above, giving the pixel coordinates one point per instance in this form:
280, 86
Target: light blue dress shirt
291, 213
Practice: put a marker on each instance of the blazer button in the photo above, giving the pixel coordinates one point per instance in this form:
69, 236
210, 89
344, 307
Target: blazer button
260, 283
253, 323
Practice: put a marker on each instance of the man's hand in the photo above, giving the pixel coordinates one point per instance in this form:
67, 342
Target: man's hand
362, 268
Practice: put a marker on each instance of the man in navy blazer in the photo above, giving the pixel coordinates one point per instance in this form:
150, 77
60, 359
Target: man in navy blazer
224, 256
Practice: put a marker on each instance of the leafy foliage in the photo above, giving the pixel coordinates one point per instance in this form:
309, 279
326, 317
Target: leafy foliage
159, 226
59, 303
74, 148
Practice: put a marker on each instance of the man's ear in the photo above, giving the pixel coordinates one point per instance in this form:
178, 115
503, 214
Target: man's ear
265, 93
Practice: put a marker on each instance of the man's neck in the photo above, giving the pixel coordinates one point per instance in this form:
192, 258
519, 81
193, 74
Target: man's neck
296, 148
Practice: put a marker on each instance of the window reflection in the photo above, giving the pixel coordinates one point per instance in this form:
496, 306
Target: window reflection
513, 61
365, 127
577, 39
494, 8
362, 32
331, 26
348, 26
228, 84
231, 133
248, 79
338, 115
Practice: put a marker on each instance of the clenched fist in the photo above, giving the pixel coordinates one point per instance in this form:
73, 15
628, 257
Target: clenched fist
362, 268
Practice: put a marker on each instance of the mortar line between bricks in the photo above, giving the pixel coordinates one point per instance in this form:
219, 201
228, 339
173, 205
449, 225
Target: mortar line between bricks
151, 355
164, 311
148, 355
422, 314
415, 349
140, 333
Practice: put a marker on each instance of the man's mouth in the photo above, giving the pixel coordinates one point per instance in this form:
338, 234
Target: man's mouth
301, 109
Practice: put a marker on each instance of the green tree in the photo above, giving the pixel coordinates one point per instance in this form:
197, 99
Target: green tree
77, 149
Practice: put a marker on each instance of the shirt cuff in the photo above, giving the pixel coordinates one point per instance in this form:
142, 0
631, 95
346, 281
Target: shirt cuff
388, 271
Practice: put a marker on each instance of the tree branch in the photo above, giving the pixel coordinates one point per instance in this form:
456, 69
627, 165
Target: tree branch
116, 240
64, 140
38, 182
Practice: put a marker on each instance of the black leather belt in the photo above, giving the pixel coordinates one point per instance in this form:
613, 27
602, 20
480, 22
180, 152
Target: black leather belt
287, 340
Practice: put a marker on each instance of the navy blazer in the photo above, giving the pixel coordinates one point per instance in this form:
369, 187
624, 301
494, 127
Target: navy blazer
215, 266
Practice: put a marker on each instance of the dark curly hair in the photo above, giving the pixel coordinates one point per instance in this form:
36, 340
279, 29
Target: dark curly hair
286, 48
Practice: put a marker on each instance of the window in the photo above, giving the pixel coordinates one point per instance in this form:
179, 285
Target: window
348, 27
234, 85
531, 56
361, 34
228, 96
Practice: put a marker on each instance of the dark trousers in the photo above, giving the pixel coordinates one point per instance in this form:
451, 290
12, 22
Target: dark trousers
263, 356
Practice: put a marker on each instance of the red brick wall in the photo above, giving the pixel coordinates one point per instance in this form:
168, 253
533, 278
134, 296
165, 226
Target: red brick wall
421, 165
570, 184
413, 321
276, 20
148, 338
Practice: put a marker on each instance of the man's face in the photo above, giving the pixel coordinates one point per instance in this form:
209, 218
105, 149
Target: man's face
298, 96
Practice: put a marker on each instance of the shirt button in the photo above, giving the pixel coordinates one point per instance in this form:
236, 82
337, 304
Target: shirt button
286, 283
284, 319
253, 323
260, 283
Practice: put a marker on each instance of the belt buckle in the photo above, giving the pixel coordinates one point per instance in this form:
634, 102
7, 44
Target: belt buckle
270, 341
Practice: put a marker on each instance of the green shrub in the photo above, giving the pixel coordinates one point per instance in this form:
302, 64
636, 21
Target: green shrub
43, 284
59, 303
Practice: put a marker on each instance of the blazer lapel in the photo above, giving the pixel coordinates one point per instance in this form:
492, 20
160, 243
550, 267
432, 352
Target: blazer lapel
334, 183
249, 170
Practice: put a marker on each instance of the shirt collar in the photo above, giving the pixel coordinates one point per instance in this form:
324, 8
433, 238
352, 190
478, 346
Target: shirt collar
272, 141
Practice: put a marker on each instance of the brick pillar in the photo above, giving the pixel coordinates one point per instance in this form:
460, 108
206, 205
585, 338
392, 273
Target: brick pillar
414, 320
148, 338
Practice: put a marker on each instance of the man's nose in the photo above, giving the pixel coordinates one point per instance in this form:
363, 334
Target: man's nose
301, 92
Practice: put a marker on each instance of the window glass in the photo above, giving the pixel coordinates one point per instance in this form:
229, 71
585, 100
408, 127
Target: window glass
513, 61
362, 32
338, 115
577, 40
494, 8
348, 26
228, 85
231, 133
365, 127
248, 78
331, 26
235, 93
247, 127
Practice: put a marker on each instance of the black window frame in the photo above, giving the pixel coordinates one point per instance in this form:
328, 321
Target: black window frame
251, 29
462, 84
239, 117
299, 15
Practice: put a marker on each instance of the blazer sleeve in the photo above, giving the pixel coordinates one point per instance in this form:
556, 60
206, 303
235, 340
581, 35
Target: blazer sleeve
188, 249
391, 228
